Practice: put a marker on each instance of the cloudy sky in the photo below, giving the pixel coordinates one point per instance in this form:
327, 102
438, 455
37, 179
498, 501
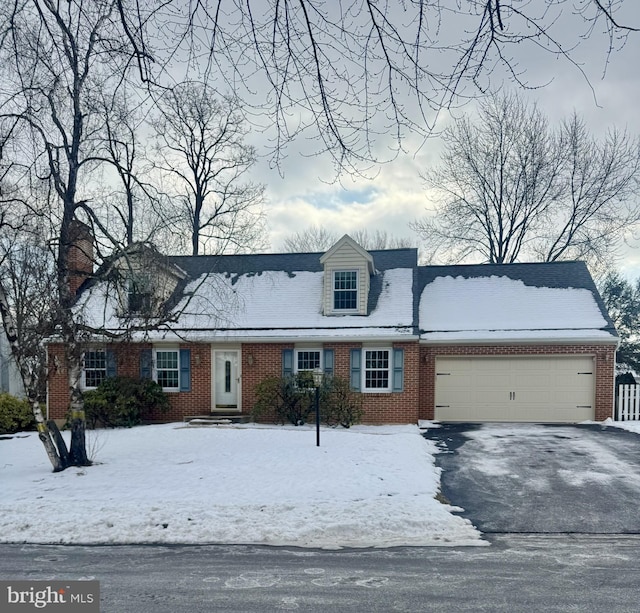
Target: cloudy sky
303, 192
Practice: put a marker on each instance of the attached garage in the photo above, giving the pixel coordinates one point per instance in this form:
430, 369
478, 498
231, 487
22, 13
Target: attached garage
525, 389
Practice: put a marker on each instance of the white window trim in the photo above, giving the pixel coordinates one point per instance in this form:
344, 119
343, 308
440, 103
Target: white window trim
83, 379
154, 367
304, 349
333, 291
363, 374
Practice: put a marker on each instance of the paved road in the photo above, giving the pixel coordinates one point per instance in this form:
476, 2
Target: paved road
513, 574
542, 479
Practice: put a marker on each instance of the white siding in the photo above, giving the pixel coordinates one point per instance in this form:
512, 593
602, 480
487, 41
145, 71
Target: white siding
345, 258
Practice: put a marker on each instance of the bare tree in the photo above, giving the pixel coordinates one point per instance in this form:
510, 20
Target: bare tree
314, 238
353, 73
601, 184
27, 317
511, 187
58, 58
200, 145
344, 77
124, 153
380, 239
317, 238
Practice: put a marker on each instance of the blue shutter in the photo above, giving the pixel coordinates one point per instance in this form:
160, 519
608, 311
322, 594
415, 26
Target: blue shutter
111, 364
185, 370
145, 364
328, 362
398, 370
356, 357
287, 362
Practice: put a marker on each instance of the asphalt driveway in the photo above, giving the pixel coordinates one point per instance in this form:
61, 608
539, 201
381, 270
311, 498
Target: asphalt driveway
531, 478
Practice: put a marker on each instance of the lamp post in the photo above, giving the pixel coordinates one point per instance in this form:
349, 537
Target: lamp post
317, 382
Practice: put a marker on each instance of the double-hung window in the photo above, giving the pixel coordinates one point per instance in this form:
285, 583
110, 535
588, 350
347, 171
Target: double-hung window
167, 369
308, 359
377, 368
306, 362
95, 368
345, 290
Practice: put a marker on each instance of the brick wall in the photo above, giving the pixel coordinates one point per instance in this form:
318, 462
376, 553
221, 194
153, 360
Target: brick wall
261, 360
604, 362
385, 408
195, 402
80, 257
258, 362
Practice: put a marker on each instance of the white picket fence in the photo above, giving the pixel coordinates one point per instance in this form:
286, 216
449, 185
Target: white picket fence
629, 402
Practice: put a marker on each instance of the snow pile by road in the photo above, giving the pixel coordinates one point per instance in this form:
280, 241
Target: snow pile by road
363, 487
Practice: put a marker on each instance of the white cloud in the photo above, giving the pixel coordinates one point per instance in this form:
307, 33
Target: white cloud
396, 194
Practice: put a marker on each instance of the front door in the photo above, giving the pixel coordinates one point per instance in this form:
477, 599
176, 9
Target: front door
226, 381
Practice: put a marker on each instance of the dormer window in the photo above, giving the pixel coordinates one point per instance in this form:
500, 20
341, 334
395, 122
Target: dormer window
139, 294
348, 269
345, 290
145, 280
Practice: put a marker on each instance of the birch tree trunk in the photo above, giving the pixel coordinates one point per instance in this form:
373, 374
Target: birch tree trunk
30, 384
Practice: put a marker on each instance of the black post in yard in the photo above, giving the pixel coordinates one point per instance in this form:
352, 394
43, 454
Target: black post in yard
317, 416
317, 382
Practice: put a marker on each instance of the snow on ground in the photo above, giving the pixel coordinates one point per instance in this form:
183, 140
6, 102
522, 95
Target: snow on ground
363, 487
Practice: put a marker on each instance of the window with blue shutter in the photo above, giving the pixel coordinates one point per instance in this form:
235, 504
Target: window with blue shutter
356, 357
94, 368
112, 368
287, 362
398, 370
328, 362
145, 364
185, 370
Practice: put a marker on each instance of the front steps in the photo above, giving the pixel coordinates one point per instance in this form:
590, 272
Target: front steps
217, 419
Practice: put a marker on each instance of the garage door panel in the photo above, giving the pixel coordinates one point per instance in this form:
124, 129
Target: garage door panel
544, 389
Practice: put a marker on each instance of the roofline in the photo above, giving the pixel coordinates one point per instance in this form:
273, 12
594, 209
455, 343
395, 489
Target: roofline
196, 336
523, 341
346, 239
460, 265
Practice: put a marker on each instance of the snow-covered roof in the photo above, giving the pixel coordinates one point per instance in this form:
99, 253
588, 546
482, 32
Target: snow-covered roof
278, 297
270, 305
277, 303
501, 308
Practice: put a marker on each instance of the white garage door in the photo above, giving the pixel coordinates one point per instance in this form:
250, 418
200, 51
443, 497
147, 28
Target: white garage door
545, 389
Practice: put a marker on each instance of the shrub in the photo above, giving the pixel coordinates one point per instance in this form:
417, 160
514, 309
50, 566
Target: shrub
339, 404
122, 402
287, 399
15, 414
291, 400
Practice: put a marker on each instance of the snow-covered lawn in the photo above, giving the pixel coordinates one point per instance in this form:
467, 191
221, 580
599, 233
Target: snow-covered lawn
363, 487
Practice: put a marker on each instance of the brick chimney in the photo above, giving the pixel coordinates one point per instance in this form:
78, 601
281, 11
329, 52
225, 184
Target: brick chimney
80, 254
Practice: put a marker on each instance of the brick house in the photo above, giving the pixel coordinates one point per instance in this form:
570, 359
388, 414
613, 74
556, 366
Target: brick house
516, 342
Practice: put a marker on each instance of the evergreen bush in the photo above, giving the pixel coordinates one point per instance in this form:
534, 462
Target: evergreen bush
15, 414
123, 402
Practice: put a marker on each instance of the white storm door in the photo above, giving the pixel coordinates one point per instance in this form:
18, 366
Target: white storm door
226, 380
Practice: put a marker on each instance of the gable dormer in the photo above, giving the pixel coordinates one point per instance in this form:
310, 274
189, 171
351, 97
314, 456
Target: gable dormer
146, 280
347, 271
